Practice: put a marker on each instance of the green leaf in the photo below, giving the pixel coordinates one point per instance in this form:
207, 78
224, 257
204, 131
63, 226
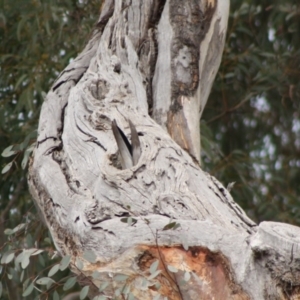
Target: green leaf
96, 274
7, 168
130, 296
19, 257
145, 283
103, 286
65, 262
53, 270
176, 226
267, 54
8, 231
22, 276
44, 280
47, 240
90, 256
120, 277
20, 80
7, 152
172, 269
14, 273
84, 292
130, 221
126, 289
25, 159
157, 297
187, 276
153, 275
100, 298
41, 260
25, 257
19, 227
56, 296
25, 283
36, 251
29, 240
118, 292
69, 283
47, 27
228, 75
8, 257
1, 289
6, 56
184, 243
28, 290
26, 141
49, 284
21, 23
79, 264
172, 225
154, 266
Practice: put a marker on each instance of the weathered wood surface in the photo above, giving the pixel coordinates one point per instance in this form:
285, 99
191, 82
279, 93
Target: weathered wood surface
153, 63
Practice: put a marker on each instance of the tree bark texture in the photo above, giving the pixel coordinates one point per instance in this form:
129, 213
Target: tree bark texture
148, 68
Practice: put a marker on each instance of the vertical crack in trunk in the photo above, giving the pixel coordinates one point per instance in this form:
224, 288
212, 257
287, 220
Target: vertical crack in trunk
148, 50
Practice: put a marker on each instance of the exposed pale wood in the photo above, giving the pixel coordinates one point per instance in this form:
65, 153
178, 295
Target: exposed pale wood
133, 69
191, 38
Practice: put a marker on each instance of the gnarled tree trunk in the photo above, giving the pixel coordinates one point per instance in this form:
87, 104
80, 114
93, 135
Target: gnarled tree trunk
116, 171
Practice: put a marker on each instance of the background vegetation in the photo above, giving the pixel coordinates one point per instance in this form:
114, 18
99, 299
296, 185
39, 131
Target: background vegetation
250, 128
252, 118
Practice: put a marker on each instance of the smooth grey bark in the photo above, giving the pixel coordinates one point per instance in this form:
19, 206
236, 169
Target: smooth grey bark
153, 63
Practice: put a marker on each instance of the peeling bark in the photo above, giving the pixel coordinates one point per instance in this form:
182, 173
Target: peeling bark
149, 66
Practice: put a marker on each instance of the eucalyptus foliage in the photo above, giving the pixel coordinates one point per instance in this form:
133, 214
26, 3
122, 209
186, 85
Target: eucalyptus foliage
251, 123
37, 40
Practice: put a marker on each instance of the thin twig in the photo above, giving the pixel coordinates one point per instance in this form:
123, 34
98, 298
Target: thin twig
228, 110
166, 268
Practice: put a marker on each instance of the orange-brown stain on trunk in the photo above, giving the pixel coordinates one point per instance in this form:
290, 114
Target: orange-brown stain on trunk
198, 274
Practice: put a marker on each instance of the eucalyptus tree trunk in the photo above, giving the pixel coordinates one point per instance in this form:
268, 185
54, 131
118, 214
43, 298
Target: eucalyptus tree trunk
116, 172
